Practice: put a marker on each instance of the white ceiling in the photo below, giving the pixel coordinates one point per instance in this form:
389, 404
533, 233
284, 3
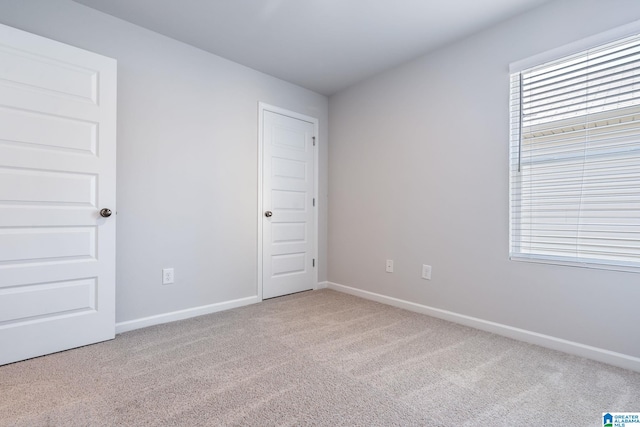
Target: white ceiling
323, 45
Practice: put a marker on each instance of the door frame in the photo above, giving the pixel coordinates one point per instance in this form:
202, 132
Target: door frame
262, 107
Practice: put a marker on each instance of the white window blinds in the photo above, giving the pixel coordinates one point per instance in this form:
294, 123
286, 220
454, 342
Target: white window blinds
575, 159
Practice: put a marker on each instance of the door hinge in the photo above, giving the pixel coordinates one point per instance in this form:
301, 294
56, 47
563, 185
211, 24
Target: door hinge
314, 201
314, 262
314, 141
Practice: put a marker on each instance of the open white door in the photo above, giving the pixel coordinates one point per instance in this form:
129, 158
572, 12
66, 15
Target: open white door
288, 203
57, 171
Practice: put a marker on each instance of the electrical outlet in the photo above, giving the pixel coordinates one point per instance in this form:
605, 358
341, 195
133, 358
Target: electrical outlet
389, 266
167, 276
426, 272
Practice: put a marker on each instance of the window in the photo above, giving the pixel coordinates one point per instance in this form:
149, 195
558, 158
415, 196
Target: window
575, 159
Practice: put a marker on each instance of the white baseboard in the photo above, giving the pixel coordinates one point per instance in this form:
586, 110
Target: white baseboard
589, 352
322, 285
130, 325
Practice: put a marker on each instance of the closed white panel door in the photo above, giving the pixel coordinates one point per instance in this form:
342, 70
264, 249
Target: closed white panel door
57, 172
288, 205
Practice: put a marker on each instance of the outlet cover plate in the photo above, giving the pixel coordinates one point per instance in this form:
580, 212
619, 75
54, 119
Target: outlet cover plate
389, 266
167, 276
426, 272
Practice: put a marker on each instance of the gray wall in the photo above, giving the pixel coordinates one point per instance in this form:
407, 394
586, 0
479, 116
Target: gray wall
418, 169
418, 173
187, 158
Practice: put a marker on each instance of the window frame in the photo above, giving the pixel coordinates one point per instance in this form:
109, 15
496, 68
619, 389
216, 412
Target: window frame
560, 53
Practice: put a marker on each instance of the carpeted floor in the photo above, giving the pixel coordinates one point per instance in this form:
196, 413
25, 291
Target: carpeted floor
316, 358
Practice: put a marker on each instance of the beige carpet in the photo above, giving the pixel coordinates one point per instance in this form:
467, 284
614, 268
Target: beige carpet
316, 358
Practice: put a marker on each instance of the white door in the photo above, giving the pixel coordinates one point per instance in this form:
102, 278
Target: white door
288, 208
57, 171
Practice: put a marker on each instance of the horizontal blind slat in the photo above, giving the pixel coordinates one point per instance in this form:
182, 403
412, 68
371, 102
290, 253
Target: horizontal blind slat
579, 59
575, 85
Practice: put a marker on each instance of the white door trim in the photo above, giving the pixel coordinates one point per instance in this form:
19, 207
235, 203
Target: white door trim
262, 107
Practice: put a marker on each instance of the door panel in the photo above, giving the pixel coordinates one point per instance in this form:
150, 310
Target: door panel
46, 300
57, 169
288, 191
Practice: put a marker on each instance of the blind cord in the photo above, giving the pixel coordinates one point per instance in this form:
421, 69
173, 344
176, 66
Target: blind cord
521, 118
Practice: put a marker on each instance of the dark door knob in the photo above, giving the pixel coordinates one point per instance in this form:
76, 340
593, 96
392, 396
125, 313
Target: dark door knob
268, 214
105, 213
